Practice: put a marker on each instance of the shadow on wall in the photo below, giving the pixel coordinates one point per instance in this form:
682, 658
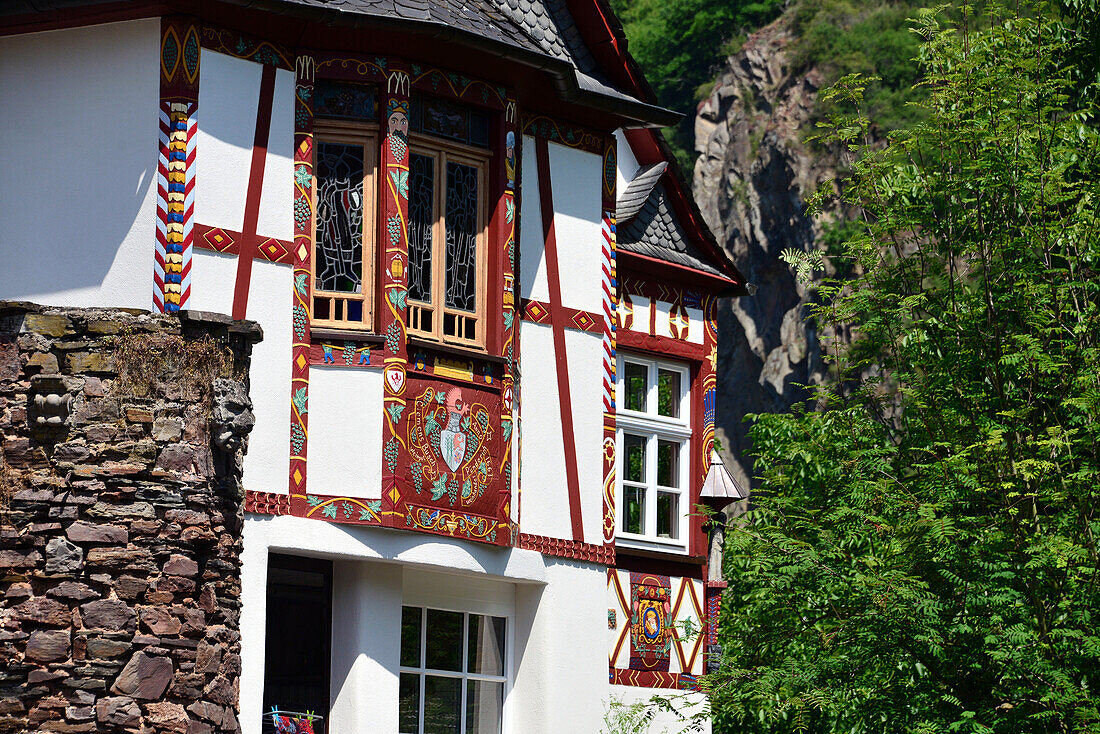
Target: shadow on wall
79, 134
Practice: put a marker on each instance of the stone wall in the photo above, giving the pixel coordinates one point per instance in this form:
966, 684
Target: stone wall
120, 530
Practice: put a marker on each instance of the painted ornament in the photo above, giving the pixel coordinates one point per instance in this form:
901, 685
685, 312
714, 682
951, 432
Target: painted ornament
452, 439
395, 378
397, 119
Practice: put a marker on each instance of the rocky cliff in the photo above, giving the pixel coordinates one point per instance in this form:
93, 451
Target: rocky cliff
753, 174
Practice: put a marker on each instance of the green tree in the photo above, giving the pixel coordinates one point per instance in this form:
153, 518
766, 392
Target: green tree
922, 555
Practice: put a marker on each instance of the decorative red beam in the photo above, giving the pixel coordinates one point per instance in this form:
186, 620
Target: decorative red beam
255, 188
538, 312
557, 324
228, 242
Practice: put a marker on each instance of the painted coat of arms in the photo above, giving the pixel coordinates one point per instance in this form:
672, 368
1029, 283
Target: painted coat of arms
449, 446
650, 622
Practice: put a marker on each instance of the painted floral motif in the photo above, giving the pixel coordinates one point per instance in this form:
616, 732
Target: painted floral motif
448, 438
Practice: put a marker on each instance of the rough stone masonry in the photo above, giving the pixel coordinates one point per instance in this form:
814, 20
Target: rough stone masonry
120, 519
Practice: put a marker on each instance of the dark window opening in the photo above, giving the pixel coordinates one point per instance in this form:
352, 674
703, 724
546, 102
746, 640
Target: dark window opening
299, 630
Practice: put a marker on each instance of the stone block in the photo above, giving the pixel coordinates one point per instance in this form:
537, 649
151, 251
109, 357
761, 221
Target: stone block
118, 711
47, 646
128, 587
127, 559
180, 566
158, 621
9, 358
145, 677
167, 429
86, 532
109, 614
43, 611
54, 325
96, 362
72, 590
139, 414
10, 559
44, 362
63, 556
167, 717
100, 647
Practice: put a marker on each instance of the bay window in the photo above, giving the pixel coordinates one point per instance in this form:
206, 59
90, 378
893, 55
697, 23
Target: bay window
653, 436
448, 158
452, 672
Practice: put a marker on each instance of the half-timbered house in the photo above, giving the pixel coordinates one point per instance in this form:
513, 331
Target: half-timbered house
485, 394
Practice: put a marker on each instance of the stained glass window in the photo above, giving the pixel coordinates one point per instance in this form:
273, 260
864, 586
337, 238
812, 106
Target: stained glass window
339, 253
344, 100
451, 120
461, 237
421, 223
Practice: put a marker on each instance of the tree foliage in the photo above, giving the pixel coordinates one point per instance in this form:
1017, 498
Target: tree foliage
923, 554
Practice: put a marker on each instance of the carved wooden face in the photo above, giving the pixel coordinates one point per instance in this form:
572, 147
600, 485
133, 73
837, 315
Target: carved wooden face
398, 123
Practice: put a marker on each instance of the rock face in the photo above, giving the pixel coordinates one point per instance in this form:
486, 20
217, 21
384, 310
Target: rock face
752, 177
119, 562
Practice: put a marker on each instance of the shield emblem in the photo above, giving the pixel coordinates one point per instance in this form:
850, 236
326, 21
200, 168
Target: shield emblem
452, 444
395, 376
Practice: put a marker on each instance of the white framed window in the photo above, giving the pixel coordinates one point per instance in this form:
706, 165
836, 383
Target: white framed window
653, 436
453, 672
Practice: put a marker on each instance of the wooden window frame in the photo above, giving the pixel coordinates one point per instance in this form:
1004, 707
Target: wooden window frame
365, 135
442, 152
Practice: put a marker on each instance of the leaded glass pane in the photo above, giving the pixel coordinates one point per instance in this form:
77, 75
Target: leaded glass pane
421, 188
461, 214
339, 265
344, 99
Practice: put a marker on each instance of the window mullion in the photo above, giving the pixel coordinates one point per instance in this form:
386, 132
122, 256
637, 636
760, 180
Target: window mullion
423, 664
465, 670
650, 527
439, 246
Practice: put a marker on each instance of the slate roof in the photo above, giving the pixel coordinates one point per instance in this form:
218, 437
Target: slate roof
489, 18
655, 231
636, 193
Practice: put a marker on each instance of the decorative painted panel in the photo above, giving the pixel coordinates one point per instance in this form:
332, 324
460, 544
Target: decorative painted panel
392, 318
179, 100
302, 253
656, 627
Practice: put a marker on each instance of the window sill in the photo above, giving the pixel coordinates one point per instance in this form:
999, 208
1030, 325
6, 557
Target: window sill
351, 335
667, 547
454, 350
653, 551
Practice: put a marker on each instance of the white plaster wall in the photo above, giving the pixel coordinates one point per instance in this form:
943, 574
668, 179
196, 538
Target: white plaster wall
575, 179
366, 647
267, 463
229, 93
561, 673
78, 129
532, 260
545, 493
585, 351
627, 163
345, 446
556, 608
686, 702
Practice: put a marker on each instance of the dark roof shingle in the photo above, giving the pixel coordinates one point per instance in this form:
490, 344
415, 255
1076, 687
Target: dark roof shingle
655, 231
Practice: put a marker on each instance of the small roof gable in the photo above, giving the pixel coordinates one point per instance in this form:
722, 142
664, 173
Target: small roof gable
655, 231
636, 193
